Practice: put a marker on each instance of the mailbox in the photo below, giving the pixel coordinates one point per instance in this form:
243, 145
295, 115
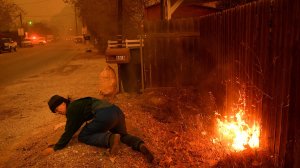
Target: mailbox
117, 55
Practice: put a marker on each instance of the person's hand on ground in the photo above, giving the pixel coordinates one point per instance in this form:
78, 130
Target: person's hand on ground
48, 151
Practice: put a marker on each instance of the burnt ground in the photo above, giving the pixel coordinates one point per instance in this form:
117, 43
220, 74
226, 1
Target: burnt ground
177, 124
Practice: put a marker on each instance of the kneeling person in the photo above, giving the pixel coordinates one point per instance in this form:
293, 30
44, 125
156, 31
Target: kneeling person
106, 129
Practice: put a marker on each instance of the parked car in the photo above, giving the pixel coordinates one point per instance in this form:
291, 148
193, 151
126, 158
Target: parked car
7, 44
26, 43
78, 39
39, 41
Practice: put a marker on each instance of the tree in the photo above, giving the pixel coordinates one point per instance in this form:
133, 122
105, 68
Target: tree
9, 15
133, 17
101, 18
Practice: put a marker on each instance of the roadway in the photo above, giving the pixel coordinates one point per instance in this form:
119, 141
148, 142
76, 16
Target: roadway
33, 61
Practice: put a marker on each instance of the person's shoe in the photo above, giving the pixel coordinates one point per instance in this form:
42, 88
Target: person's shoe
114, 143
145, 151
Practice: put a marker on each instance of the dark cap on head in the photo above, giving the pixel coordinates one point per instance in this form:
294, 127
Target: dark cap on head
55, 101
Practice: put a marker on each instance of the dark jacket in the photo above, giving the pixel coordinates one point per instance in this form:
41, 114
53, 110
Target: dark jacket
78, 112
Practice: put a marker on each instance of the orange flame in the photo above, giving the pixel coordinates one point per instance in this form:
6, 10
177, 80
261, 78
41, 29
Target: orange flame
238, 132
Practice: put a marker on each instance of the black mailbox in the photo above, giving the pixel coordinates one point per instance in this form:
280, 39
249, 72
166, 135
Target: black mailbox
117, 55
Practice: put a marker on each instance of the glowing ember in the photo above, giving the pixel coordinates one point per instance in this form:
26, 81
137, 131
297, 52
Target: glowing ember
239, 134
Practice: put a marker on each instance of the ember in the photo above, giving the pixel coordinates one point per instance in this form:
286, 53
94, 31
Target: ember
237, 132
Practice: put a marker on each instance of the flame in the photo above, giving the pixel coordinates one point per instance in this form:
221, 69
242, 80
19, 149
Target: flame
238, 132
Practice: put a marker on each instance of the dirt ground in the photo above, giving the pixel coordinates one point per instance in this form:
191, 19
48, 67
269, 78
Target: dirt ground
177, 124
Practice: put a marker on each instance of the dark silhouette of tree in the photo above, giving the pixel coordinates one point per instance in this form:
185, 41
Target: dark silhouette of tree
101, 18
9, 15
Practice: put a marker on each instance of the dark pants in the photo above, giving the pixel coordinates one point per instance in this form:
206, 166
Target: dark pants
107, 121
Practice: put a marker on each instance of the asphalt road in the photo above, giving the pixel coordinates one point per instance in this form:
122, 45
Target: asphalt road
32, 61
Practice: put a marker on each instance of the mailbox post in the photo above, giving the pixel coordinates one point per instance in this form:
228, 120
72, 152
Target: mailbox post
129, 63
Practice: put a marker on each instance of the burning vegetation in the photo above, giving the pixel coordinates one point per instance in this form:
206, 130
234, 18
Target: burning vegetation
239, 134
198, 136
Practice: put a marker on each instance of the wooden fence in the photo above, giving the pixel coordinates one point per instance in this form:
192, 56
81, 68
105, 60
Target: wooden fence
242, 51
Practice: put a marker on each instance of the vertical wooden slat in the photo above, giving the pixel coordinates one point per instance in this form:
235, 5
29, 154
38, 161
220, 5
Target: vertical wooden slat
276, 77
264, 48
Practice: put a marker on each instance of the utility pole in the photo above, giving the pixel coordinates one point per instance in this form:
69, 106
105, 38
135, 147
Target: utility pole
120, 17
21, 29
76, 24
21, 21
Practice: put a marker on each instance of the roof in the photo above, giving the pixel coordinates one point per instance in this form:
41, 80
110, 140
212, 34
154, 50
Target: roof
213, 4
